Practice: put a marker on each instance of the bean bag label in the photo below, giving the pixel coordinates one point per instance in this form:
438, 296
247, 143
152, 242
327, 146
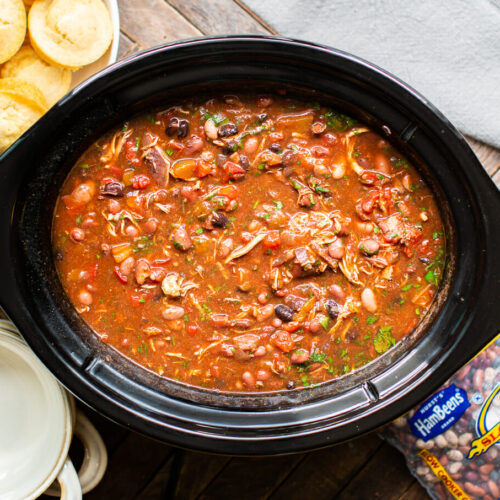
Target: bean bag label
439, 412
487, 426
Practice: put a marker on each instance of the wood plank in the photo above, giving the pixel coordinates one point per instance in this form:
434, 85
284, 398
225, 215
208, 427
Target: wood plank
385, 476
158, 485
201, 466
127, 46
251, 478
414, 492
496, 178
152, 22
218, 17
131, 468
256, 17
324, 473
488, 156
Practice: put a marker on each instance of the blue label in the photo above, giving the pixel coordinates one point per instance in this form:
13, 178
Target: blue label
439, 412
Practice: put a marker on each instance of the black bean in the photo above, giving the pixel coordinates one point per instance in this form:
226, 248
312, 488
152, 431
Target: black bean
290, 384
219, 219
228, 130
230, 148
59, 255
262, 117
425, 260
244, 162
183, 129
332, 308
283, 312
172, 127
275, 147
114, 188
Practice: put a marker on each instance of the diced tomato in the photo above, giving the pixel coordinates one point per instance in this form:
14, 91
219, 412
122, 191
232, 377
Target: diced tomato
132, 152
368, 204
368, 177
121, 277
192, 330
203, 168
138, 299
272, 239
176, 145
108, 180
233, 171
229, 191
140, 181
92, 272
161, 262
115, 171
189, 193
136, 202
282, 340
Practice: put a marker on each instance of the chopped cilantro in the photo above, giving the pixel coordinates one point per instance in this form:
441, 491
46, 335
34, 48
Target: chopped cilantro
383, 341
339, 121
199, 230
371, 319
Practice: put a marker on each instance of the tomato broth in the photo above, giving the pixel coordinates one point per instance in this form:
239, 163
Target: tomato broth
250, 242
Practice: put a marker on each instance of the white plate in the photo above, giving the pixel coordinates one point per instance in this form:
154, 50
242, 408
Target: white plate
112, 53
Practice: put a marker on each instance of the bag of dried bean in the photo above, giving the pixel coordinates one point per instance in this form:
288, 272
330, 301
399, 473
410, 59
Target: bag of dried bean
451, 441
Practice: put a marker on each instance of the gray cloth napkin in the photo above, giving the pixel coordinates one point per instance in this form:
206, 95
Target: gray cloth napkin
447, 50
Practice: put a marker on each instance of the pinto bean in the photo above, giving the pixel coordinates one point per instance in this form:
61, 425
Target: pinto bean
369, 247
77, 234
131, 231
263, 375
225, 248
142, 271
150, 226
264, 313
127, 265
260, 351
248, 379
382, 163
194, 145
85, 297
336, 249
83, 193
181, 238
299, 356
173, 312
114, 206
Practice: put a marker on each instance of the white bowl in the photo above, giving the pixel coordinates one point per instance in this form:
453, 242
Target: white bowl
111, 54
35, 422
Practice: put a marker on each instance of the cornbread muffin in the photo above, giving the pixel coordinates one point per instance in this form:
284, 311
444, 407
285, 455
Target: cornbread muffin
21, 104
12, 27
52, 81
70, 33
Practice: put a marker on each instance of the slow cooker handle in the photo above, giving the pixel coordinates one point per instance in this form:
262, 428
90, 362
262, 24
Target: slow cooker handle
487, 316
13, 164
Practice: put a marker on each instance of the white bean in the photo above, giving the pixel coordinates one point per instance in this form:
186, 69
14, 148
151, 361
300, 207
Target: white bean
338, 170
210, 129
250, 145
368, 300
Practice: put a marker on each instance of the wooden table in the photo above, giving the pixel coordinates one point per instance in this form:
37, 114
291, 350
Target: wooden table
140, 468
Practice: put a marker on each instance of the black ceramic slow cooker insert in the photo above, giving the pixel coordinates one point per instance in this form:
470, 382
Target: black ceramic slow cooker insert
463, 319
